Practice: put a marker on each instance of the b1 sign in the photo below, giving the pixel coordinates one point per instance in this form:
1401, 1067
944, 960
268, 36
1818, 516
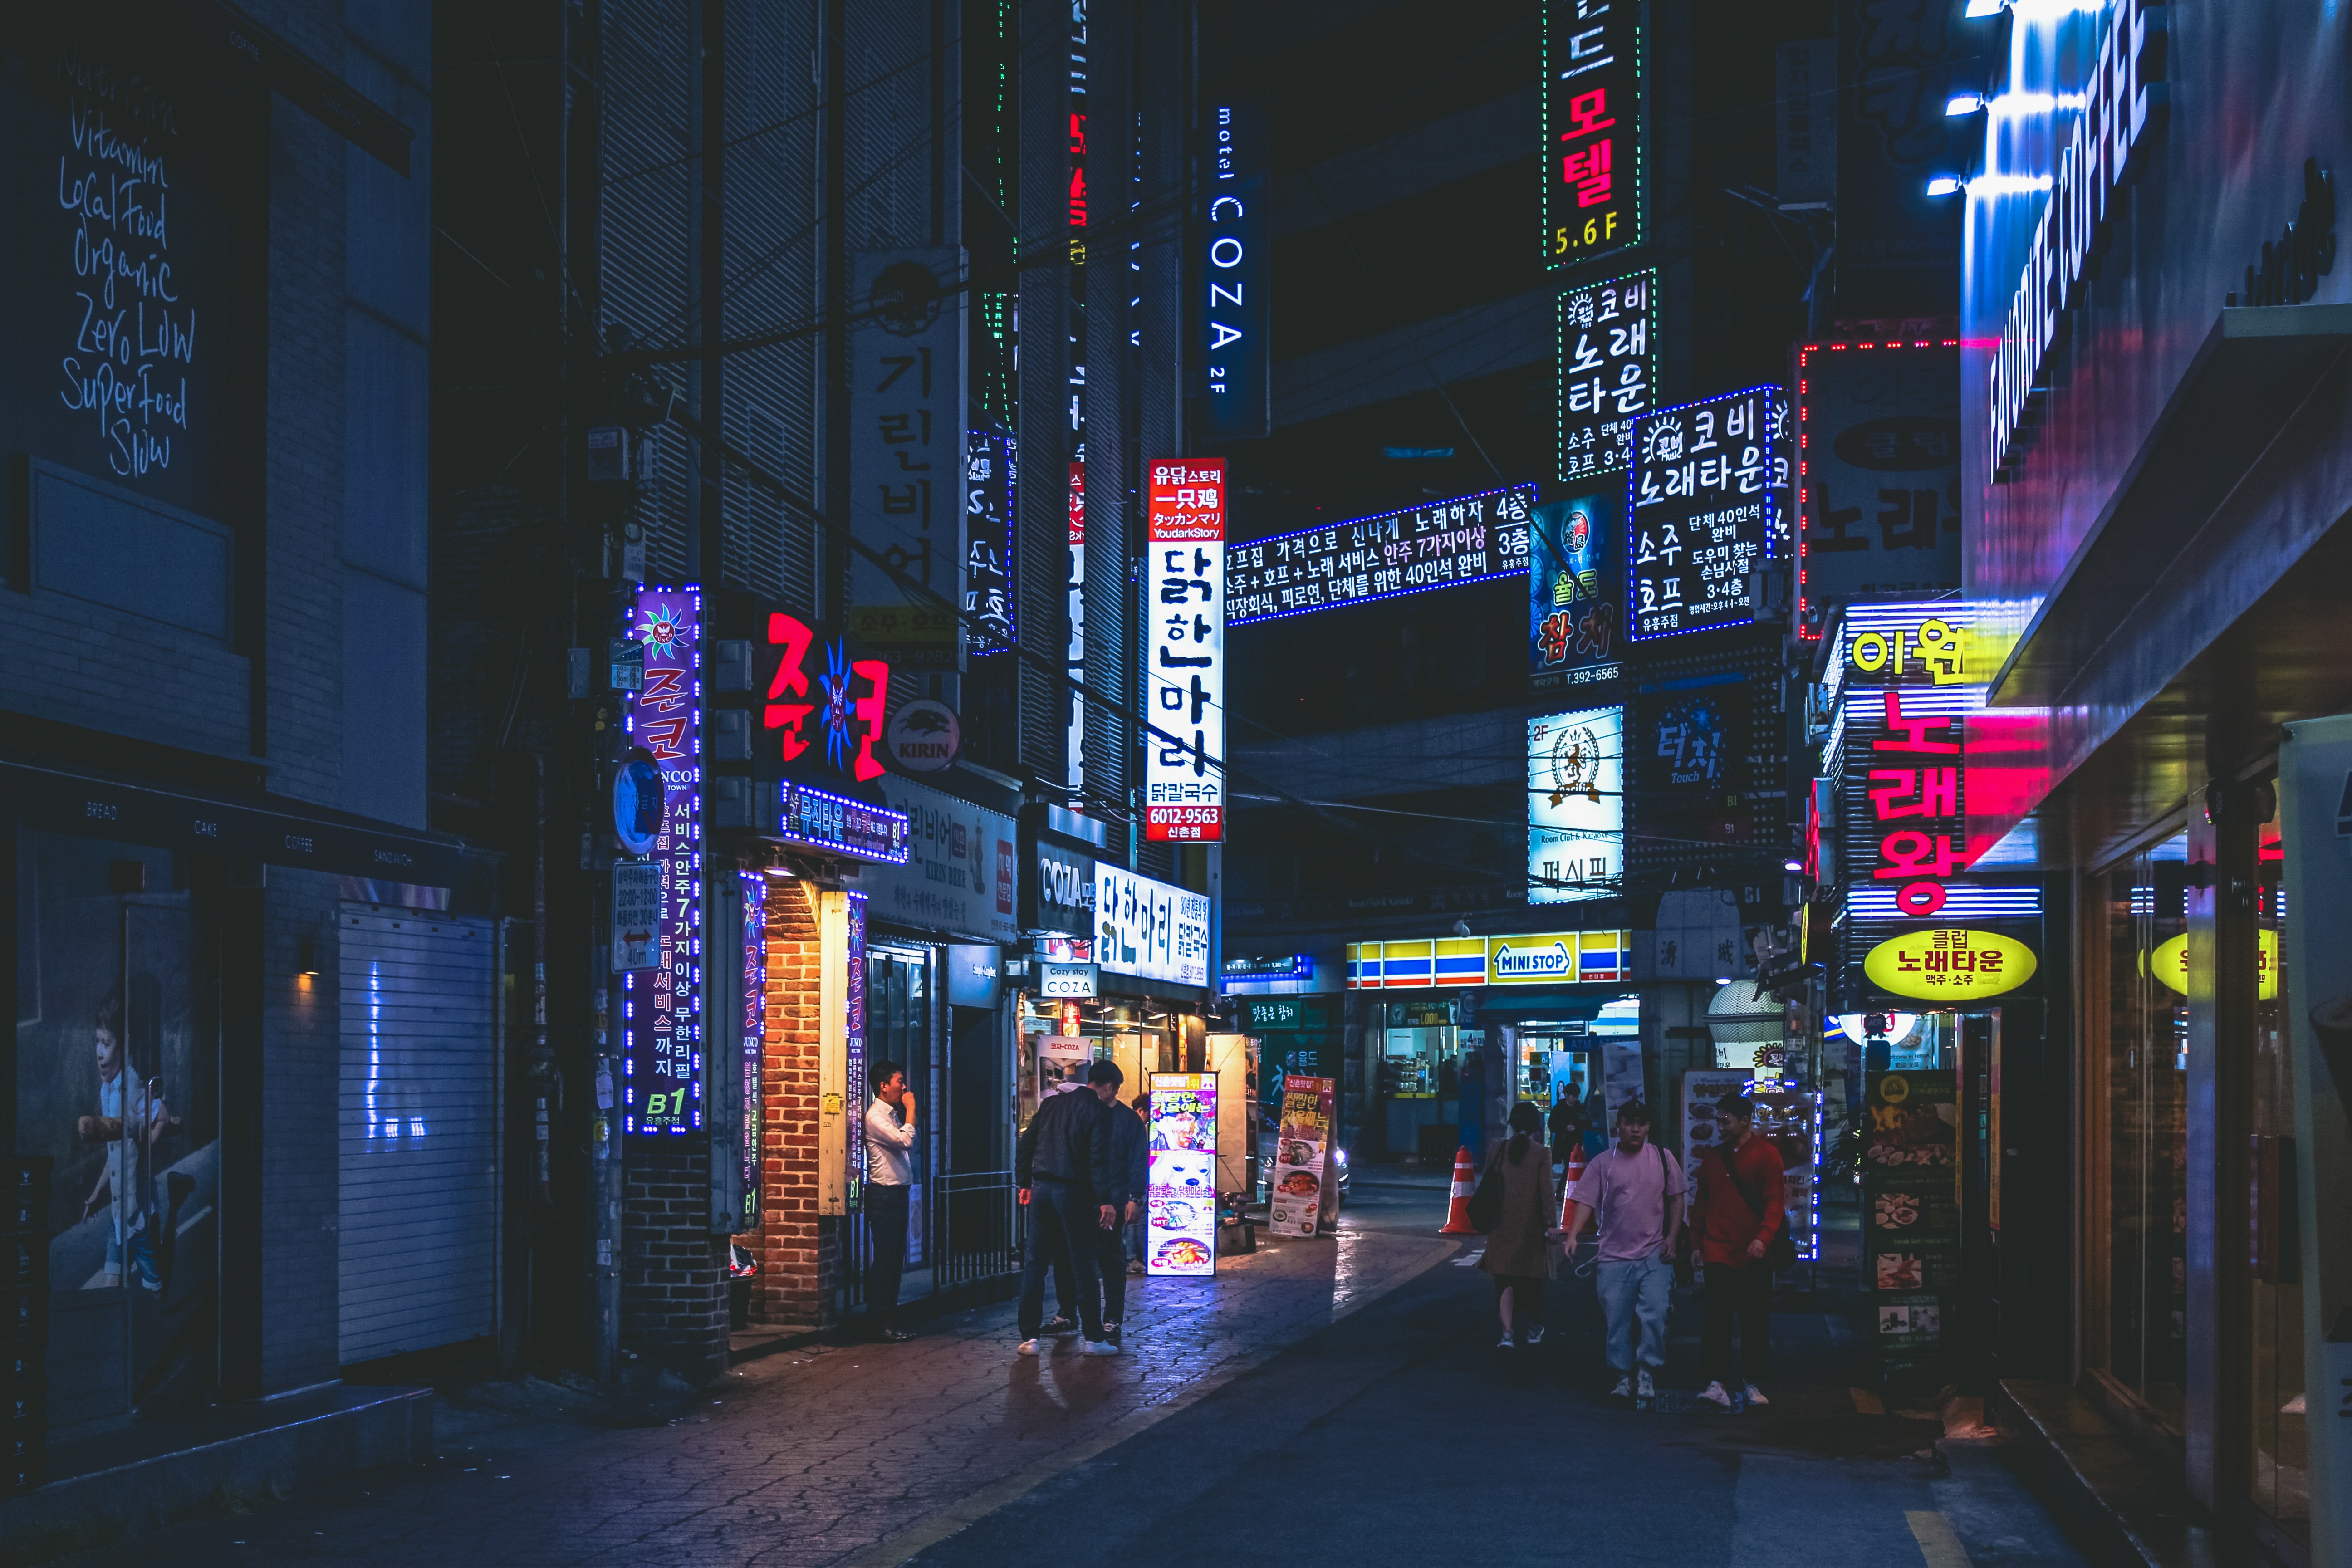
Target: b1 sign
1185, 601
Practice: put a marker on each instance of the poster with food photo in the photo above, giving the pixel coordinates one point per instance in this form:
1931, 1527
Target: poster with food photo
1181, 1222
1301, 1157
1913, 1121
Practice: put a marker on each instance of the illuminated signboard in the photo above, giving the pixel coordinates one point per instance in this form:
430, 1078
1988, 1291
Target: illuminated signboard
1237, 391
752, 1048
1181, 1228
1908, 689
1077, 601
1576, 593
1878, 474
1594, 181
988, 535
1703, 500
1469, 539
839, 706
1576, 806
661, 1010
905, 344
1607, 371
823, 820
1949, 965
1146, 928
1185, 653
1544, 958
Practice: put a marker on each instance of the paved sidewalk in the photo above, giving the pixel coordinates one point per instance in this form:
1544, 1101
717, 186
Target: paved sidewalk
828, 1455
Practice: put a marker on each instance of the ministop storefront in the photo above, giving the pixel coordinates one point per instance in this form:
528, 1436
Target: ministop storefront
2157, 416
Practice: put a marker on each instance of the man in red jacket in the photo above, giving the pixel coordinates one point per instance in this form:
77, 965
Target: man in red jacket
1737, 1215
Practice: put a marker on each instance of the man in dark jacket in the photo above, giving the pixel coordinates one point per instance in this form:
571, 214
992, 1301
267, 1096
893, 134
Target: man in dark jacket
1062, 1168
1131, 1158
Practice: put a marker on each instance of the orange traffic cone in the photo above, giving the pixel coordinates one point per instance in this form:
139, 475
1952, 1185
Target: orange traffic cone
1575, 1164
1457, 1214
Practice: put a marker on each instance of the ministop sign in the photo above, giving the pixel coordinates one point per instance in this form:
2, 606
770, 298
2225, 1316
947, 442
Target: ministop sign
1949, 965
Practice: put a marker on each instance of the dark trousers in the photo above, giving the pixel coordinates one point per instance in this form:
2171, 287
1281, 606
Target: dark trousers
1744, 1297
1110, 1249
1527, 1300
886, 1222
1061, 1225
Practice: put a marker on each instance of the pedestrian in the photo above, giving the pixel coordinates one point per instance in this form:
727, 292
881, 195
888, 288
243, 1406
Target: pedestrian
1133, 1230
1636, 1190
1131, 1158
1566, 1123
1738, 1213
890, 1178
1519, 1246
1471, 1106
1062, 1167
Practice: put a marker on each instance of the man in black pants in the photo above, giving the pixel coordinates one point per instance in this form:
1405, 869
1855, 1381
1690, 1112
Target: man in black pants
1061, 1166
889, 1177
1737, 1214
1131, 1153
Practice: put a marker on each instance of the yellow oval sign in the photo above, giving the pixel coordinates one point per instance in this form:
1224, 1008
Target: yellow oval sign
1950, 965
2169, 963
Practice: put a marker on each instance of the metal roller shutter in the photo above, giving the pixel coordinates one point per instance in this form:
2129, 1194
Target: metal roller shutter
418, 1117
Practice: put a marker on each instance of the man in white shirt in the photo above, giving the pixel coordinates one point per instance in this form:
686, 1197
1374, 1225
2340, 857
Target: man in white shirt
889, 1175
1636, 1189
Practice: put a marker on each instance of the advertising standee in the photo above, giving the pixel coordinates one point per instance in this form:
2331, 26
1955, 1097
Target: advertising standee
1186, 652
1180, 1225
1301, 1157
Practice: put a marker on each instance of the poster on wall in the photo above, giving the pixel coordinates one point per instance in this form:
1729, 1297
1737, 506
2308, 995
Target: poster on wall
1576, 806
1575, 594
1913, 1122
1700, 1090
662, 1034
1180, 1223
1062, 1063
1185, 654
1301, 1156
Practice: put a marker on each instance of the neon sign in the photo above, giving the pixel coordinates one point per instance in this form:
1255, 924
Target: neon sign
661, 1009
1595, 179
1470, 539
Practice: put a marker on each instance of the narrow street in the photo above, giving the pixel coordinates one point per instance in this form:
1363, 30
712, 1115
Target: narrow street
1328, 1401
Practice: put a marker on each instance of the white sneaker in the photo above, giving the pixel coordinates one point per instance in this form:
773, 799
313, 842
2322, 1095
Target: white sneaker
1643, 1387
1535, 1335
1026, 1347
1756, 1395
1624, 1389
1506, 1343
1099, 1347
1713, 1395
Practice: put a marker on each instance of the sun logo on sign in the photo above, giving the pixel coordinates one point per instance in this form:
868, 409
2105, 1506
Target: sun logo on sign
664, 632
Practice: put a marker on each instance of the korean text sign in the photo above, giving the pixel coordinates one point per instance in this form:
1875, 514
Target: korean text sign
662, 1023
1180, 1225
1301, 1156
1576, 593
906, 467
1468, 539
988, 529
1576, 806
1703, 500
1909, 691
1607, 371
1878, 473
1594, 179
1185, 643
1146, 928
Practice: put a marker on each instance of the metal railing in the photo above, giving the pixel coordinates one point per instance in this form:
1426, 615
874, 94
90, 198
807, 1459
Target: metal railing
976, 1237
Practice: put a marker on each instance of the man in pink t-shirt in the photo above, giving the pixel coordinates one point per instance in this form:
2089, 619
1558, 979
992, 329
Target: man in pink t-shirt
1636, 1189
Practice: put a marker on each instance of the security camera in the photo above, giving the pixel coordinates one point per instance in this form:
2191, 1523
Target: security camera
1461, 928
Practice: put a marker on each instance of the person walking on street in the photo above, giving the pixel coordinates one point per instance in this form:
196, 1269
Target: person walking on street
1738, 1213
1131, 1158
1566, 1123
1134, 1227
1518, 1248
890, 1178
1636, 1190
1062, 1167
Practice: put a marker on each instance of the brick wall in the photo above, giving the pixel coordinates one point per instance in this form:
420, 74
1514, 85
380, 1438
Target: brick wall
799, 1253
672, 1279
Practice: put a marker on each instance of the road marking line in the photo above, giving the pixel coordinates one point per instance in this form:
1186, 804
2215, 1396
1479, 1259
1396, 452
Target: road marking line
1938, 1543
1869, 1403
938, 1526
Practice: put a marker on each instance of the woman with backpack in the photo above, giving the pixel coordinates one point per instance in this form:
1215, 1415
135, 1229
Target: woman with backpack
1519, 1253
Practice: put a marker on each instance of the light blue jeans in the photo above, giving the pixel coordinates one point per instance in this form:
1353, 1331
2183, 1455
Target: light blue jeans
1631, 1289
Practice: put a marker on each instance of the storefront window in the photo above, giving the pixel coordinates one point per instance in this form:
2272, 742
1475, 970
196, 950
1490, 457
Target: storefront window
2144, 1207
1060, 1040
2281, 1486
1421, 1054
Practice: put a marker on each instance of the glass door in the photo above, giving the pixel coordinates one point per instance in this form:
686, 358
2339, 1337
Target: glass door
2279, 1482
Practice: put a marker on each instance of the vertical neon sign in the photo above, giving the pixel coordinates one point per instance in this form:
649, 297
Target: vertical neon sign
662, 1029
754, 1026
853, 1078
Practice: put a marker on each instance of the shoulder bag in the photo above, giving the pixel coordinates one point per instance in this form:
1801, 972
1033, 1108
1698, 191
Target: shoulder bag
1486, 1199
1780, 1252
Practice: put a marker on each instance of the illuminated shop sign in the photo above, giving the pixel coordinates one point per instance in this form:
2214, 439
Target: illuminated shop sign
1075, 593
988, 540
1546, 958
1878, 474
1576, 584
1185, 653
1705, 511
1236, 273
823, 820
1594, 178
1908, 689
1469, 539
662, 1048
1949, 965
1146, 928
1576, 806
830, 714
1607, 371
751, 1051
2122, 101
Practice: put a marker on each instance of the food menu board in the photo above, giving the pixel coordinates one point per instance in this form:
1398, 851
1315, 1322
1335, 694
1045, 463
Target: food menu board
1911, 1233
1180, 1226
1786, 1118
1302, 1153
1913, 1122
